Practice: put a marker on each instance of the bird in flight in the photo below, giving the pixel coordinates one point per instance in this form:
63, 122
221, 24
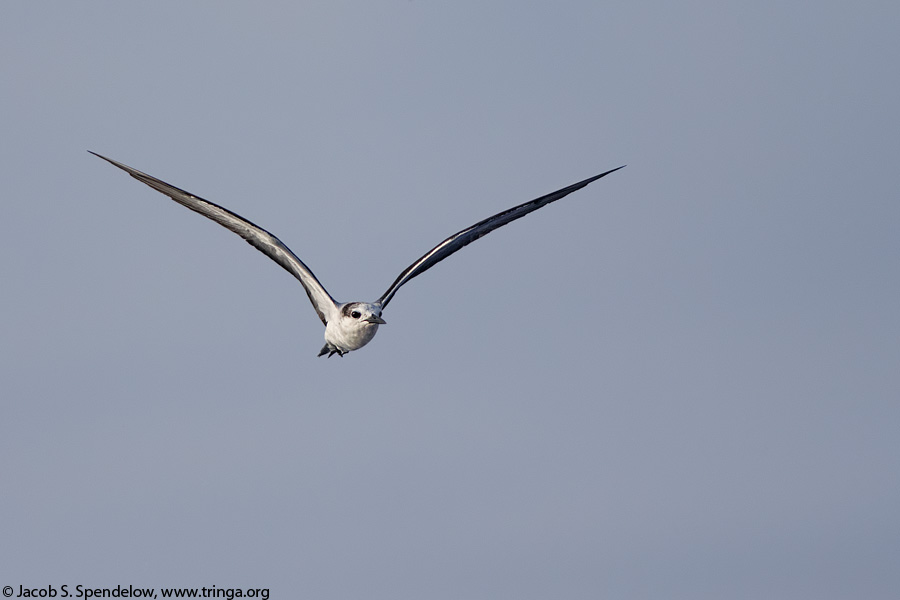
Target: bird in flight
348, 325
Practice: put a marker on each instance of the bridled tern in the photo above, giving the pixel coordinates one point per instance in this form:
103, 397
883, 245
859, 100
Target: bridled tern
348, 325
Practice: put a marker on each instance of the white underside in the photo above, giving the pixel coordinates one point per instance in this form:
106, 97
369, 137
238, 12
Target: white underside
346, 336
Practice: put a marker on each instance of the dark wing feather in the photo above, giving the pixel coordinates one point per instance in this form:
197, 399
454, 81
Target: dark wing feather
468, 235
258, 237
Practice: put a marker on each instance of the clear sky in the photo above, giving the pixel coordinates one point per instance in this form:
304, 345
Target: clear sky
679, 382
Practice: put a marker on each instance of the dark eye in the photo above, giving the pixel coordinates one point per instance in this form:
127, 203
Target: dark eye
355, 314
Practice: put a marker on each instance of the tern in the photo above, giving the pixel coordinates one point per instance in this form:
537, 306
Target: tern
348, 325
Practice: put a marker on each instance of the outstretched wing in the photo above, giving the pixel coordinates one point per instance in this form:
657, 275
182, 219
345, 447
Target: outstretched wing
258, 237
468, 235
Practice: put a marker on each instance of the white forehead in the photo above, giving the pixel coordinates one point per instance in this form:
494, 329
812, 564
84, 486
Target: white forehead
363, 307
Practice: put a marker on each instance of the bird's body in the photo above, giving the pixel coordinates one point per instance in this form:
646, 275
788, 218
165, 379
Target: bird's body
349, 325
356, 325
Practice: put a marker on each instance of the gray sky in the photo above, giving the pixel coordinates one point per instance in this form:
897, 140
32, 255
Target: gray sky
679, 382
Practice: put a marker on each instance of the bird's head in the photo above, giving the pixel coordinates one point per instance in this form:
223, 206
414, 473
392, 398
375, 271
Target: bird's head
362, 313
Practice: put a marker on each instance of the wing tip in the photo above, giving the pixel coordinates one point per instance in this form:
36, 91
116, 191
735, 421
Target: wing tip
109, 160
